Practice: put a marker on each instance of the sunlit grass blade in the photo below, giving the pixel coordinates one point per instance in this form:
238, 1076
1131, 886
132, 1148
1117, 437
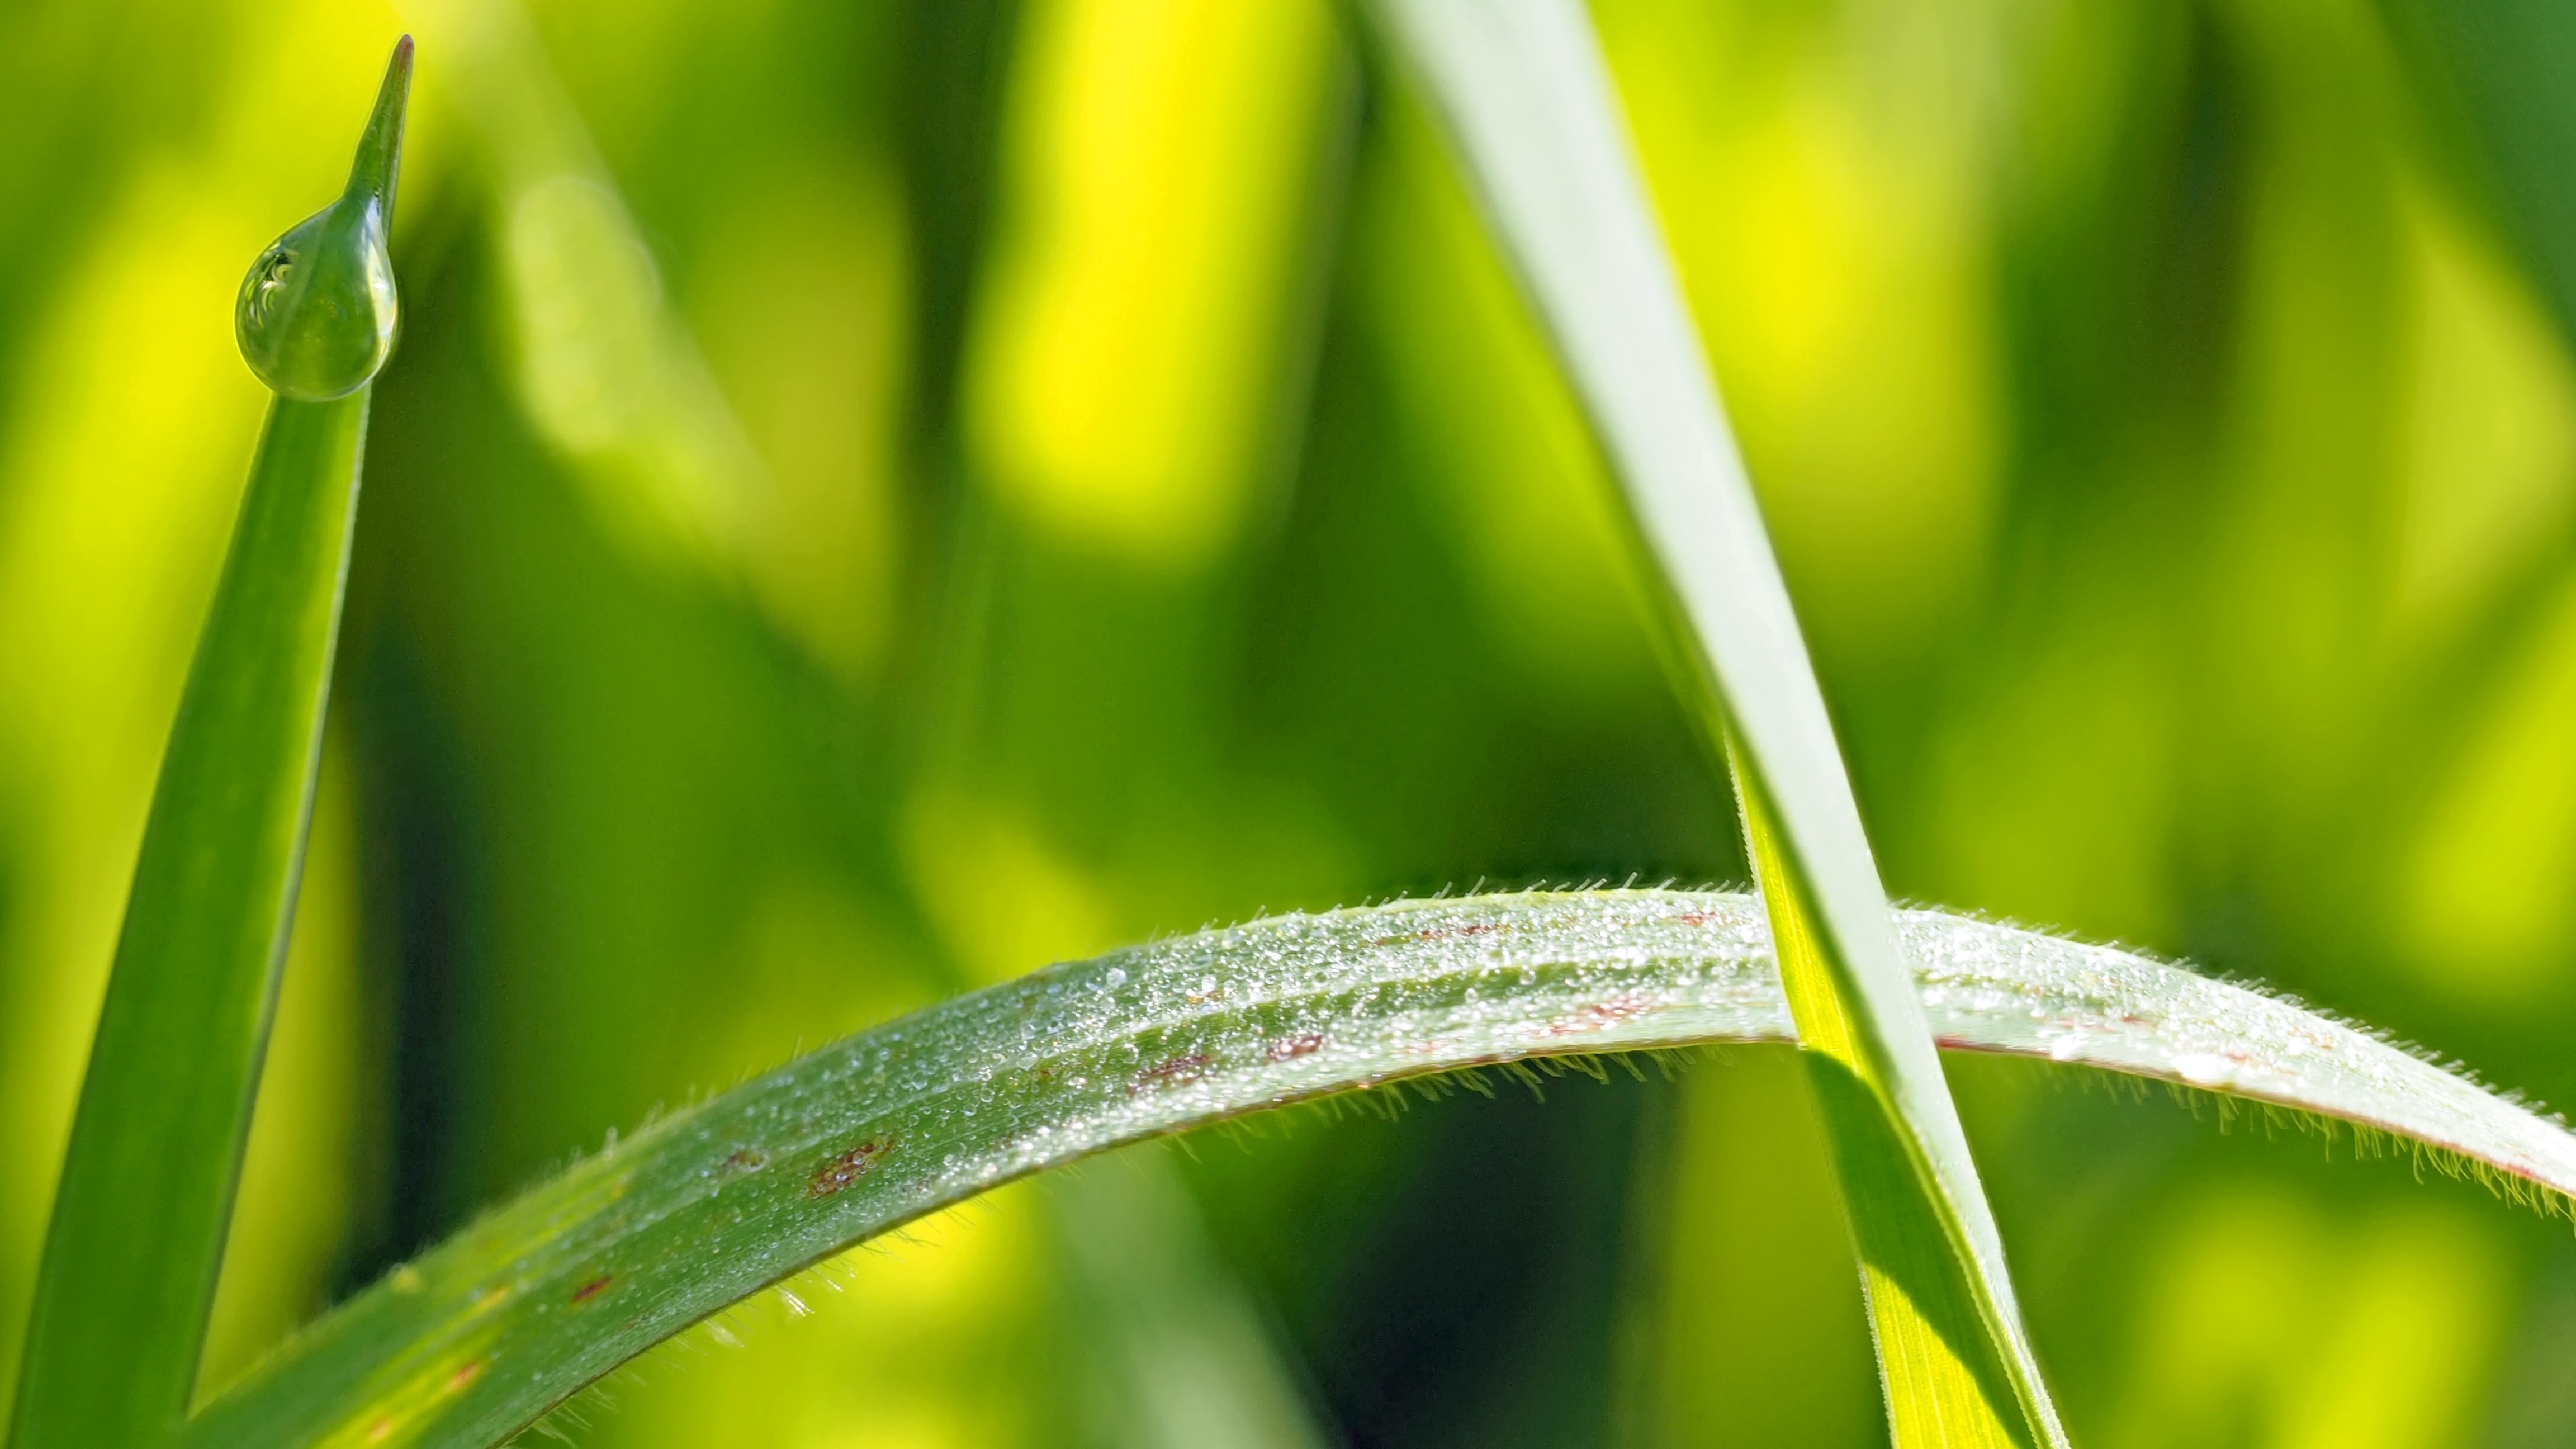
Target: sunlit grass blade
480, 1336
147, 1186
1527, 99
1944, 1383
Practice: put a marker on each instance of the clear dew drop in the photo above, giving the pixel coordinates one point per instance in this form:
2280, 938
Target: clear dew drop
316, 314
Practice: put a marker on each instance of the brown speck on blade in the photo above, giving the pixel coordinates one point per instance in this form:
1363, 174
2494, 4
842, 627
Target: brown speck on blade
1291, 1048
849, 1167
1179, 1071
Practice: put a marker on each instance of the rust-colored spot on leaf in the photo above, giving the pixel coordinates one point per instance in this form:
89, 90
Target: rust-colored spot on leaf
379, 1431
1440, 933
464, 1377
1288, 1049
1451, 933
593, 1288
1627, 1006
849, 1167
1179, 1071
742, 1160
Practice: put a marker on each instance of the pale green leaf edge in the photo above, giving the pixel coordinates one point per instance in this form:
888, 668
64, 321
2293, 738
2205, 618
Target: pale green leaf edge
1527, 98
477, 1339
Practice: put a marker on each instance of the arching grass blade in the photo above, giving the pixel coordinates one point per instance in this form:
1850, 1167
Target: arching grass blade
479, 1337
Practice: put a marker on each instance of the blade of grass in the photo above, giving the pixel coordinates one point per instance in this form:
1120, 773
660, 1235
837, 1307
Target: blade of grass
1527, 98
1942, 1381
473, 1341
138, 1227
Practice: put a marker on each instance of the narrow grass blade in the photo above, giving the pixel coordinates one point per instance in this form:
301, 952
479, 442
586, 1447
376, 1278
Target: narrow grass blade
147, 1187
1944, 1384
476, 1339
1527, 98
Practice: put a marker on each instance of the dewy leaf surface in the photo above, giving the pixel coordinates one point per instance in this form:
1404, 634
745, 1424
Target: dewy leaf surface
1527, 98
476, 1339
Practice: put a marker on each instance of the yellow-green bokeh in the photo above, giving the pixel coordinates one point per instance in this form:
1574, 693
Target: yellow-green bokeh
874, 497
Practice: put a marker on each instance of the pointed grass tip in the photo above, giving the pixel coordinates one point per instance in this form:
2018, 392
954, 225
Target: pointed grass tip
316, 315
379, 161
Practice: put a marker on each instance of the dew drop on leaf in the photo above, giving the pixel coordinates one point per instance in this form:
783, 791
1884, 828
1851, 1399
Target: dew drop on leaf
316, 314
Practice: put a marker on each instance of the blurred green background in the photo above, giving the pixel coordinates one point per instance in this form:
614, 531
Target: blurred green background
877, 495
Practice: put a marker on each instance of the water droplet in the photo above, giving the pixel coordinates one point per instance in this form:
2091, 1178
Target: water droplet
316, 314
1116, 976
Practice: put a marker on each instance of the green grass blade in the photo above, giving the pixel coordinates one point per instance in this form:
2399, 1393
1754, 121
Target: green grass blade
1527, 98
147, 1187
473, 1341
1944, 1383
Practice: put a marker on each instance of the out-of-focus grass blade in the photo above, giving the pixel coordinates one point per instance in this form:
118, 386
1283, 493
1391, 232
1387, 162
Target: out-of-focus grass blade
608, 371
476, 1339
1185, 1362
2502, 68
1527, 98
147, 1187
604, 366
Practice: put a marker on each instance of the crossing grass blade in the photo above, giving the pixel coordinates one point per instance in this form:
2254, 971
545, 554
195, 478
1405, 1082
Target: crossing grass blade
130, 1263
475, 1340
1943, 1381
1527, 99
